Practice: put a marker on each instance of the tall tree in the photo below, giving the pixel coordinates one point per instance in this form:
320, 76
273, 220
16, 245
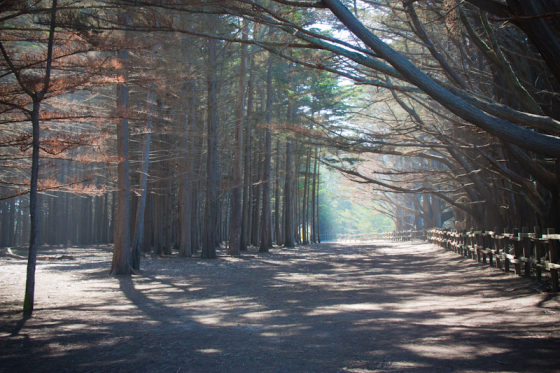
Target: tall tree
288, 202
265, 241
211, 212
185, 248
313, 198
246, 217
36, 90
121, 249
141, 206
236, 208
277, 233
305, 205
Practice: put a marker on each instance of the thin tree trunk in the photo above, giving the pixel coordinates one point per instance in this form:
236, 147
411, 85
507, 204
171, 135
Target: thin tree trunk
236, 211
288, 212
185, 249
318, 188
305, 206
277, 197
195, 236
29, 298
266, 213
121, 250
148, 224
297, 210
28, 302
246, 217
168, 207
98, 220
141, 207
209, 241
313, 206
195, 167
158, 212
257, 165
111, 237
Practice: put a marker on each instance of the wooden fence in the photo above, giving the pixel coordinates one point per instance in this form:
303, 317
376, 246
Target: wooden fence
528, 253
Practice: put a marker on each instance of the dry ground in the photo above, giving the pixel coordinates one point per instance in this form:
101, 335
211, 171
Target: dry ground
368, 307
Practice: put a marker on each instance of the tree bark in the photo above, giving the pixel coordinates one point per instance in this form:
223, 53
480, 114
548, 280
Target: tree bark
257, 184
141, 207
210, 216
318, 188
266, 213
246, 217
277, 197
236, 210
313, 206
121, 249
29, 298
305, 207
288, 203
185, 249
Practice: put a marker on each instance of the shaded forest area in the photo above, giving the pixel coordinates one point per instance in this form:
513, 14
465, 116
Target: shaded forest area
161, 125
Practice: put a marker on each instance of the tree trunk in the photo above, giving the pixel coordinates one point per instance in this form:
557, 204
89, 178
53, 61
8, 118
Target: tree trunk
318, 188
236, 211
304, 225
313, 206
185, 248
121, 249
257, 165
29, 298
246, 217
288, 213
28, 301
297, 210
210, 217
141, 207
147, 238
195, 204
266, 213
277, 197
167, 207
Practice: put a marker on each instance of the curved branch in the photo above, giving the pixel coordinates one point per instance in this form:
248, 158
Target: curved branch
539, 143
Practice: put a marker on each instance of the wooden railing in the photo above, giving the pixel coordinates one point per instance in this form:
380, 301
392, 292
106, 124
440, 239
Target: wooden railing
527, 252
389, 236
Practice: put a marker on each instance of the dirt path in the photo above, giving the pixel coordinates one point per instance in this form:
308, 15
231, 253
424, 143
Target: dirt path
380, 307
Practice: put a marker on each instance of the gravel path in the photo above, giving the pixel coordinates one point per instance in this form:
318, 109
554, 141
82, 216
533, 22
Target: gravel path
367, 307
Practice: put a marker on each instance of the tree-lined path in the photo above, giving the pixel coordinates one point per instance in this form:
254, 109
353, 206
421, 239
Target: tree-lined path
372, 307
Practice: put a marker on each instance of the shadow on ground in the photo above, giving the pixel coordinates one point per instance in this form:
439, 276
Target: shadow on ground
379, 307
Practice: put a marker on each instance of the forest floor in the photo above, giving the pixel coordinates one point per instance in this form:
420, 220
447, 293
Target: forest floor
361, 307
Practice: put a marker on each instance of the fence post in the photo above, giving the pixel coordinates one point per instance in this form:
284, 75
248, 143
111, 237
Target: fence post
470, 244
497, 246
486, 253
526, 249
553, 256
477, 246
517, 250
505, 246
537, 252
